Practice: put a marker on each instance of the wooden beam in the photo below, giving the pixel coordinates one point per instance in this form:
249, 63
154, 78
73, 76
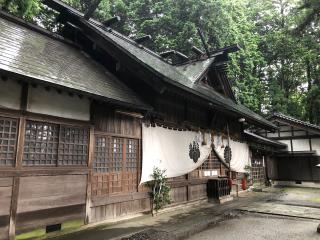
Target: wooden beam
24, 97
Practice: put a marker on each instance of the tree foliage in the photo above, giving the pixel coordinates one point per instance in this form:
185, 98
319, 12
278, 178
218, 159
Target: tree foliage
277, 68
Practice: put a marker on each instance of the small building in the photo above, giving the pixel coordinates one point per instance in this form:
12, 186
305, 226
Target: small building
297, 164
77, 110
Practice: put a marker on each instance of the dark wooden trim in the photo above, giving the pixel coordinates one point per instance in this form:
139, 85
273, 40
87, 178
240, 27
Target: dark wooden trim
42, 117
190, 182
187, 187
20, 142
89, 176
310, 141
102, 133
105, 200
24, 96
38, 171
294, 137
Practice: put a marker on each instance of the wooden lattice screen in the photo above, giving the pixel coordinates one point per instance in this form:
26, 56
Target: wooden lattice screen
115, 165
49, 144
258, 171
8, 141
73, 146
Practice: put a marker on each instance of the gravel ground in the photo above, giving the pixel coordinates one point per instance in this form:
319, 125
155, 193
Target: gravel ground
151, 234
261, 227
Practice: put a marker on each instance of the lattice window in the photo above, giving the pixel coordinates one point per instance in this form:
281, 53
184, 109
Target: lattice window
49, 144
102, 154
73, 146
108, 154
132, 155
117, 155
8, 141
41, 144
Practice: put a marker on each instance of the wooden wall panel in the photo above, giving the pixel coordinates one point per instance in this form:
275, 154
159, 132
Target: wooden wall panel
178, 194
120, 209
46, 200
197, 192
5, 202
45, 192
32, 220
115, 123
302, 169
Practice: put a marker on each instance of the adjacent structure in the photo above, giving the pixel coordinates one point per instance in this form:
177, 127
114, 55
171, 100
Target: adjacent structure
295, 165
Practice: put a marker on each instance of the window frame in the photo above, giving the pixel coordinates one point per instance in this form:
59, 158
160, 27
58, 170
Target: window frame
23, 116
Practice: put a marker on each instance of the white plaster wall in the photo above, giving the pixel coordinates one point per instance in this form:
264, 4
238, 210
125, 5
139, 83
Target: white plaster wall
300, 133
285, 134
301, 145
315, 142
286, 142
270, 134
10, 94
59, 105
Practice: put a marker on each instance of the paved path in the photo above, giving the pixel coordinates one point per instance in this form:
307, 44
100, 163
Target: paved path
289, 214
293, 202
255, 227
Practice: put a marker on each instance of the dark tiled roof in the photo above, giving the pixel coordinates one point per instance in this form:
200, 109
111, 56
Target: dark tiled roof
294, 120
183, 76
35, 55
264, 140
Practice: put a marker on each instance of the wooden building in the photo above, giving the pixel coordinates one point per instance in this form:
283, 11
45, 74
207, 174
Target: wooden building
296, 164
71, 112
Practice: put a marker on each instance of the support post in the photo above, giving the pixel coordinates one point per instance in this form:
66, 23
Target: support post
16, 180
89, 176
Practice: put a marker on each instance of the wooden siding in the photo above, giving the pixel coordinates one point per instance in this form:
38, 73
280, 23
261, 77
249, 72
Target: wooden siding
5, 203
46, 200
297, 169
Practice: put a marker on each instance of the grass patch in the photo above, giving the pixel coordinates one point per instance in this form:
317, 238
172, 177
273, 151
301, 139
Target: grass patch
72, 225
41, 233
38, 233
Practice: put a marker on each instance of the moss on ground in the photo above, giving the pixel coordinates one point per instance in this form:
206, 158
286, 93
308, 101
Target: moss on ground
40, 233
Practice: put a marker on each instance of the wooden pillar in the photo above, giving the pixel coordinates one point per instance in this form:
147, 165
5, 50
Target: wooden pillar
89, 176
16, 179
18, 162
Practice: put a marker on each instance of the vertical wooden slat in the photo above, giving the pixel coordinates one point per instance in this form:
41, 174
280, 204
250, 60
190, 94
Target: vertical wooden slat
89, 177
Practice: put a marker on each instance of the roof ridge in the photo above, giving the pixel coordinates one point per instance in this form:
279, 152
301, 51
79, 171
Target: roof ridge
289, 117
28, 25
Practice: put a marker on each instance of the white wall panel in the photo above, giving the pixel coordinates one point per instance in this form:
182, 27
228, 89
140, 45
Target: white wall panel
10, 92
301, 145
316, 145
286, 142
59, 105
